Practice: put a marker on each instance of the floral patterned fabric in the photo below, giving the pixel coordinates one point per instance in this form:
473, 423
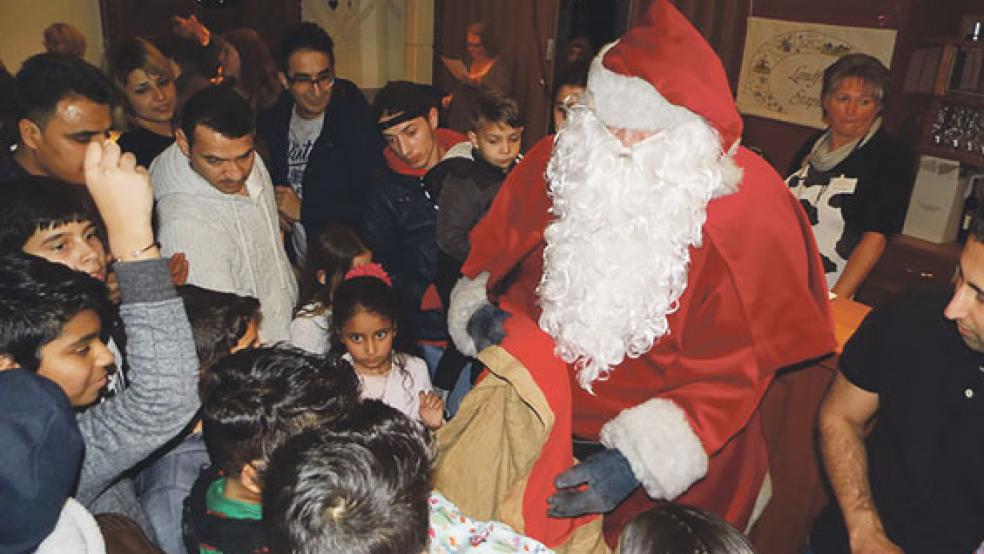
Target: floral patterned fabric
452, 532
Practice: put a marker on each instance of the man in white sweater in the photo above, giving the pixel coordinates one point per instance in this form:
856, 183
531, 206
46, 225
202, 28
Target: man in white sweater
215, 203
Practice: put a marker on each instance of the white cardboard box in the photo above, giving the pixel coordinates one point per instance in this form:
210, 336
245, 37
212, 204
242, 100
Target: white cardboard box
937, 201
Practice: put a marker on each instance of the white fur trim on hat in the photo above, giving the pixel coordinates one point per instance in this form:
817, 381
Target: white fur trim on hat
467, 297
665, 454
629, 102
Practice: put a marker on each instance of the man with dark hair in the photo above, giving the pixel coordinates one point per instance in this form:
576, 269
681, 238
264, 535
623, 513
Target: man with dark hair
324, 149
254, 400
366, 485
912, 483
63, 104
216, 204
401, 219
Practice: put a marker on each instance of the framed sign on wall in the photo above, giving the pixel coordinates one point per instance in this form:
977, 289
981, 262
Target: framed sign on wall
783, 62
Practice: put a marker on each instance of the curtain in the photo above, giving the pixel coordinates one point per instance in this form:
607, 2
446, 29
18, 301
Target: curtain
722, 22
521, 30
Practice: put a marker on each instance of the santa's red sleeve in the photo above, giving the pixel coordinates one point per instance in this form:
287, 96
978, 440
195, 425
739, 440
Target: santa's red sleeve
513, 226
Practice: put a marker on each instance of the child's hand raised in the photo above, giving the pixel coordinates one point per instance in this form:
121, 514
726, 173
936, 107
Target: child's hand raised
431, 410
122, 193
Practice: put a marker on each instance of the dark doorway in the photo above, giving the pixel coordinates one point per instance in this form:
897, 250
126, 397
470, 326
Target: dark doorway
598, 21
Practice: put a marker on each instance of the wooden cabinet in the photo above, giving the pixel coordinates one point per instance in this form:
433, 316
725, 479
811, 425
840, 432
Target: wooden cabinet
909, 262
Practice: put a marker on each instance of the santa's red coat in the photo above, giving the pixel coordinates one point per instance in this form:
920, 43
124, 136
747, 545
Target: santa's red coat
755, 302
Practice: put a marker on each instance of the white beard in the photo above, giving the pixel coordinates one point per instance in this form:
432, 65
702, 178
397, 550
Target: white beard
617, 252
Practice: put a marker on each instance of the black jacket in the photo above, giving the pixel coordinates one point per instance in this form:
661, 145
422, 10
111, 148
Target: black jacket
401, 227
200, 526
346, 155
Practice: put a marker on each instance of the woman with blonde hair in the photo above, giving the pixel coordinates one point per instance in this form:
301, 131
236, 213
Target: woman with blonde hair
853, 179
145, 77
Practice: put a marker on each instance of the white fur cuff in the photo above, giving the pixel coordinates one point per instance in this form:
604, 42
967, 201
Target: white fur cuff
664, 452
467, 297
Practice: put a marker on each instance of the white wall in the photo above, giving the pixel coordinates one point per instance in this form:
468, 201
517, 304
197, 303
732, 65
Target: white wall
368, 37
418, 52
22, 23
375, 40
378, 40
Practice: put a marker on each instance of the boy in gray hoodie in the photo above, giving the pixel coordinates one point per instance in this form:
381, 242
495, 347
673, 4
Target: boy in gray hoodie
50, 323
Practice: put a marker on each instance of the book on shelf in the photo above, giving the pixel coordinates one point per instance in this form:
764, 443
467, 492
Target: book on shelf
923, 66
969, 71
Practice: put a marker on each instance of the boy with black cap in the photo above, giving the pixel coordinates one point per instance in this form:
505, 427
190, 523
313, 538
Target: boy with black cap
401, 219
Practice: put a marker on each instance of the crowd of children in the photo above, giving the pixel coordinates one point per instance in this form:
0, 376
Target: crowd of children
125, 391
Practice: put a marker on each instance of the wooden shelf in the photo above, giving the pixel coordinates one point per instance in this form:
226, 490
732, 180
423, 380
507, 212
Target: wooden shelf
926, 143
950, 41
963, 98
953, 154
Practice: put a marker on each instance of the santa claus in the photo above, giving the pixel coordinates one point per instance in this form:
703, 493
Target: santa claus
672, 269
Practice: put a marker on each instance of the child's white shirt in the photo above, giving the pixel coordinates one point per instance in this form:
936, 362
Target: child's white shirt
310, 330
395, 389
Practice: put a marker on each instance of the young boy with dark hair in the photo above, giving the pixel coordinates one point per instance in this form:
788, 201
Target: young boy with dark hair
39, 302
221, 323
254, 400
363, 485
57, 221
50, 323
50, 218
467, 190
470, 185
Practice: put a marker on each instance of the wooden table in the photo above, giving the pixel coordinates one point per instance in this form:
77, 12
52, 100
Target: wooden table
847, 314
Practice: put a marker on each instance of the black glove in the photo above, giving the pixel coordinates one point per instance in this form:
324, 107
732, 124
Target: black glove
485, 326
609, 478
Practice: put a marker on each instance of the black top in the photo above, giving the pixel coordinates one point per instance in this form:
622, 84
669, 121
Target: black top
343, 162
144, 144
9, 168
202, 527
466, 193
884, 169
401, 229
926, 452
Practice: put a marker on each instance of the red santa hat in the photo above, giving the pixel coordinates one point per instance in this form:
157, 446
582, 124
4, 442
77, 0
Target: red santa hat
659, 74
